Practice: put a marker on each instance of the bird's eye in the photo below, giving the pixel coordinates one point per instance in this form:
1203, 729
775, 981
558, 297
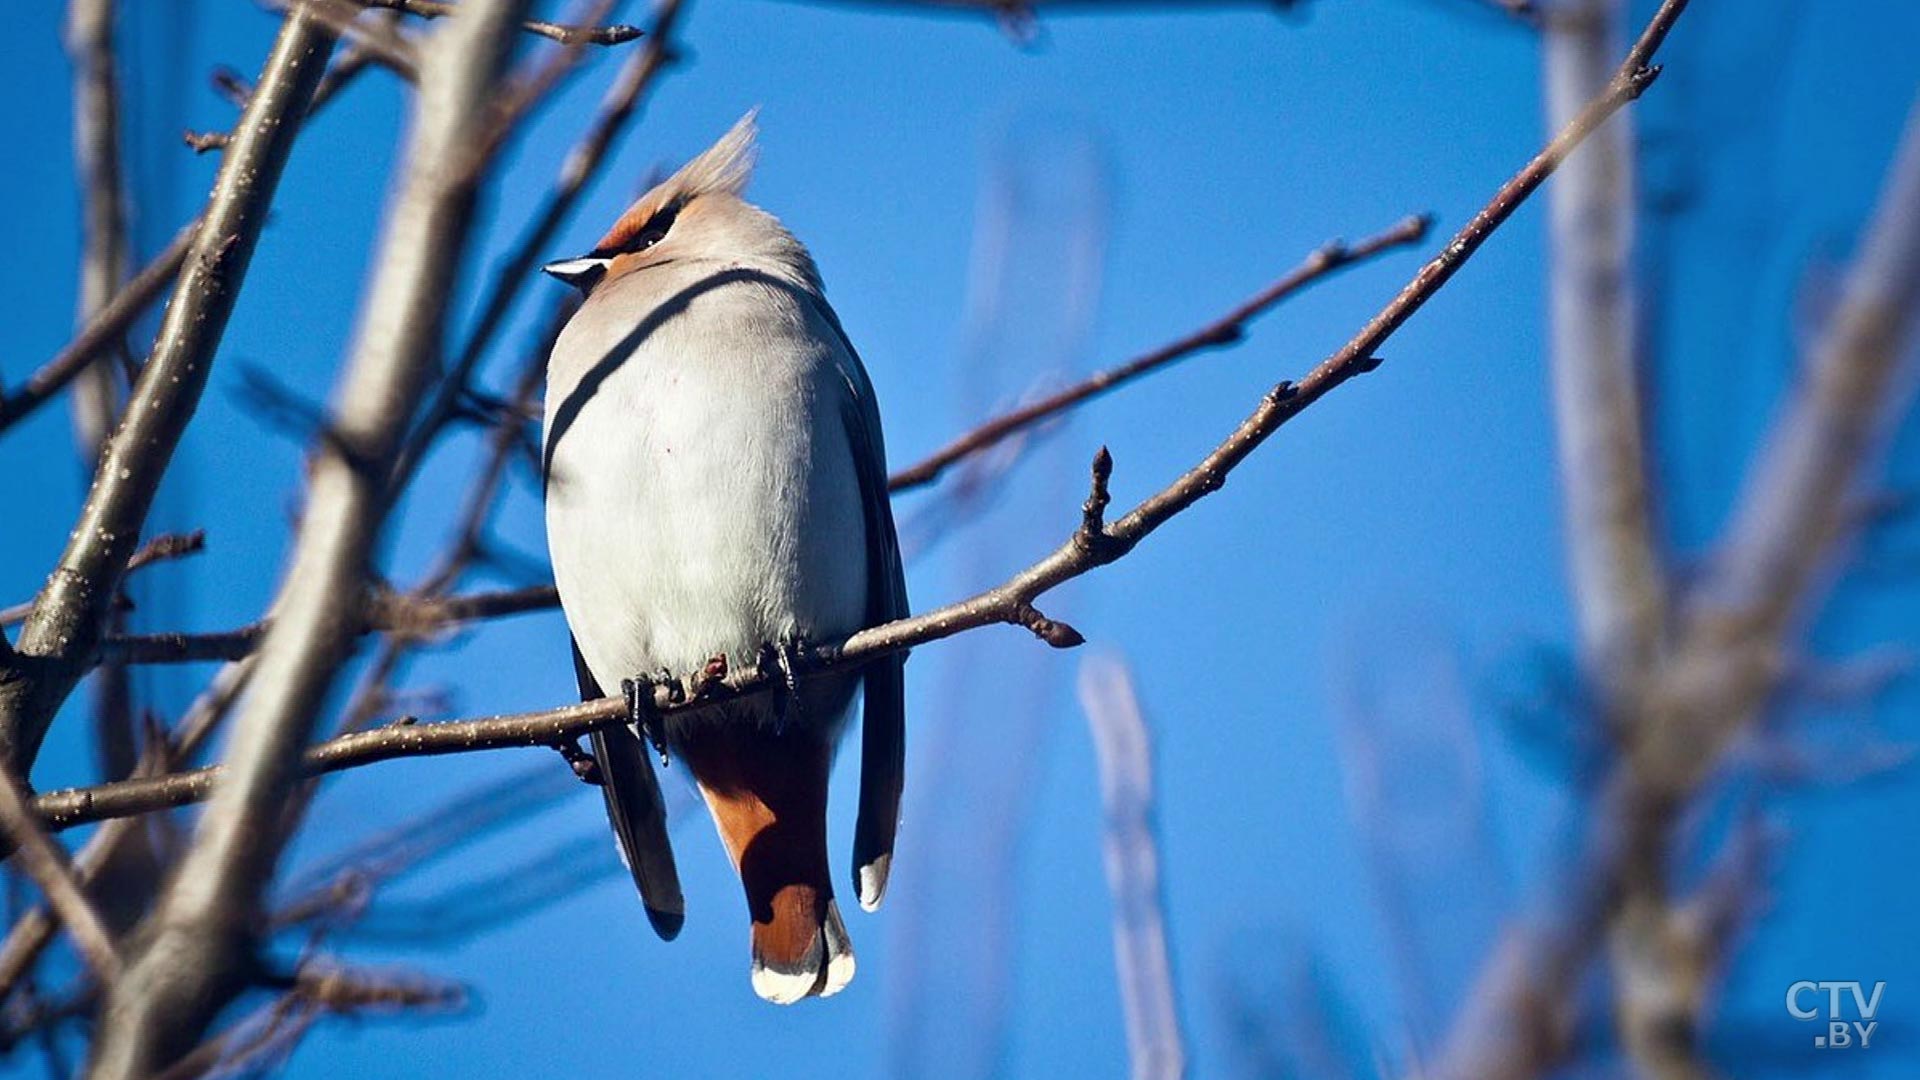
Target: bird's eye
655, 230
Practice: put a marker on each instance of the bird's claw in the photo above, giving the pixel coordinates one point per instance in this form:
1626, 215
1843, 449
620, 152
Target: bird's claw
582, 763
642, 716
786, 661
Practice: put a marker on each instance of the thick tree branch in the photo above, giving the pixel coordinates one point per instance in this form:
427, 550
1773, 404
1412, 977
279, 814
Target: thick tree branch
96, 142
1726, 665
617, 109
198, 949
59, 638
1092, 545
1620, 595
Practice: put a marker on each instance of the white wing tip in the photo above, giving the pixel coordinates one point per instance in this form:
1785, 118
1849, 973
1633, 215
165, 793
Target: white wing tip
873, 882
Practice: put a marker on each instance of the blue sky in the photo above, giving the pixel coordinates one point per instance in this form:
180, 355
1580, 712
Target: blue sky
1402, 536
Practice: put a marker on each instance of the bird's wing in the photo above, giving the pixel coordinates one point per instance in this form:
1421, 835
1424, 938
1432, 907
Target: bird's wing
638, 814
883, 735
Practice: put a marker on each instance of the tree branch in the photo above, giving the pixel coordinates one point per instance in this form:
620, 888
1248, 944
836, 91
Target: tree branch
198, 951
46, 863
59, 638
1131, 843
1226, 330
109, 325
1093, 544
1727, 662
1619, 587
615, 34
617, 110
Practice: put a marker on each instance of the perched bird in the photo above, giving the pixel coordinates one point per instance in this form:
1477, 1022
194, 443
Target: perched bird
716, 484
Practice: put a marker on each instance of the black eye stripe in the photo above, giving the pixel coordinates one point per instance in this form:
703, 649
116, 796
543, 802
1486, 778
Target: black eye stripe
654, 231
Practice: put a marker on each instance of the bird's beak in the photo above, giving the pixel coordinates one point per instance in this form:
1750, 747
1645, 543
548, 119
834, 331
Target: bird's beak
580, 273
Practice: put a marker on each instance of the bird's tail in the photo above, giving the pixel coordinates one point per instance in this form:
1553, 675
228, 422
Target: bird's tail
768, 794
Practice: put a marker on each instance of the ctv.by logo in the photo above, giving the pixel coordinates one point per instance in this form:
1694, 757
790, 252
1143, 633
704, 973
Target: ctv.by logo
1841, 1033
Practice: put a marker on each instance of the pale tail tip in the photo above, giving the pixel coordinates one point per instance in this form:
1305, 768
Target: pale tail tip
780, 988
840, 965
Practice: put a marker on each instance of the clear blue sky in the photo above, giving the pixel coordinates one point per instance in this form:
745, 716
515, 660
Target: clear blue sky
1162, 168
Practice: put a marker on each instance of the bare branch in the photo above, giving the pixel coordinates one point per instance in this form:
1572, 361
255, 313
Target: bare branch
1010, 602
114, 318
96, 142
414, 616
1123, 746
198, 949
1620, 594
45, 862
104, 331
1226, 330
615, 34
59, 637
617, 110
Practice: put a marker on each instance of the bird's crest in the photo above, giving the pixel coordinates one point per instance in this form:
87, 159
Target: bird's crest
722, 168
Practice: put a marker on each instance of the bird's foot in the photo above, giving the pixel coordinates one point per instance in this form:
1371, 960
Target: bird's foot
786, 659
642, 714
582, 763
712, 676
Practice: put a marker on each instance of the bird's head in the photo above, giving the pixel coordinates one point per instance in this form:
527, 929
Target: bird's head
697, 214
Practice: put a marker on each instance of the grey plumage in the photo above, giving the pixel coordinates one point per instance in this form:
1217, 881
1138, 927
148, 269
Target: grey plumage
716, 482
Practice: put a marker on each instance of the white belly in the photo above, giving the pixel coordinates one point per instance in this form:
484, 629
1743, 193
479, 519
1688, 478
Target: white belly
703, 497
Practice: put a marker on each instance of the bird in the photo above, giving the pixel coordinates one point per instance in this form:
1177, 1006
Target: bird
715, 485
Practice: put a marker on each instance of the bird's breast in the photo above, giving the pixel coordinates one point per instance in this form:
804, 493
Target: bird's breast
701, 491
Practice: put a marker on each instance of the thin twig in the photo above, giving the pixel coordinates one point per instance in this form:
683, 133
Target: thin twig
104, 331
46, 863
615, 34
1226, 330
162, 548
110, 324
